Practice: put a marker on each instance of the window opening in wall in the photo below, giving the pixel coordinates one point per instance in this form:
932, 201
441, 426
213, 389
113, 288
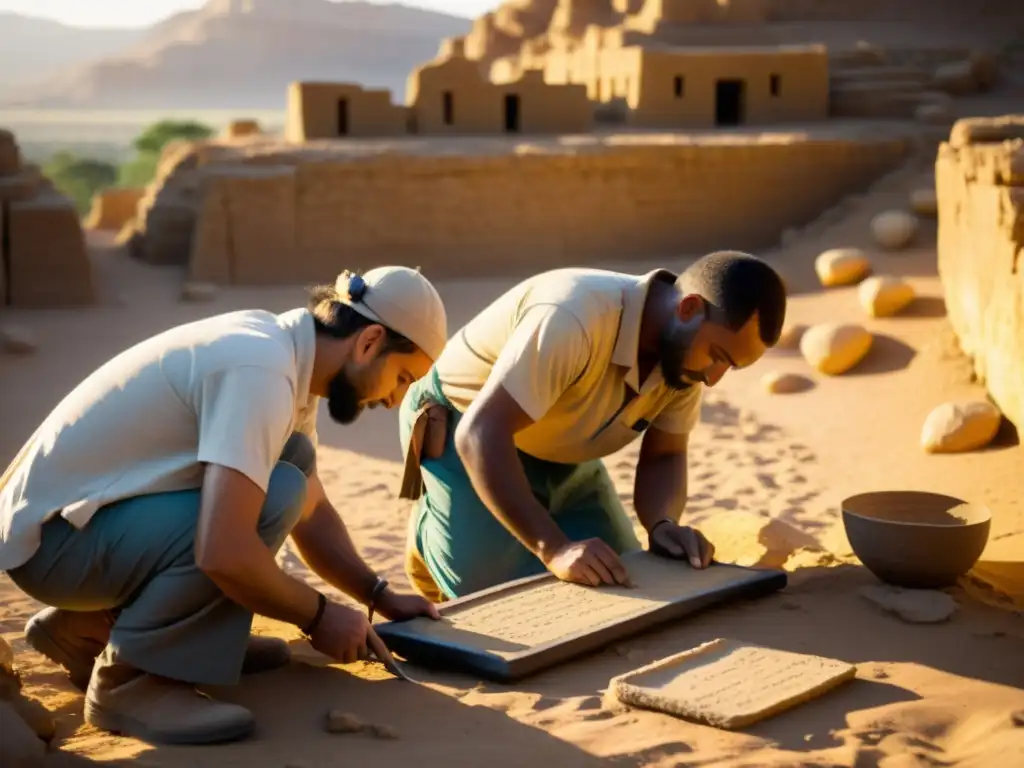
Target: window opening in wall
775, 84
511, 113
679, 87
730, 102
343, 117
449, 107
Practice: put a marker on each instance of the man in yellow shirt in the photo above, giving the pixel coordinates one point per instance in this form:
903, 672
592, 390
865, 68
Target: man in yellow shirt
504, 436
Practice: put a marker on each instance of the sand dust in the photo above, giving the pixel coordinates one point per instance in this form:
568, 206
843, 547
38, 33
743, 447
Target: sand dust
730, 684
775, 468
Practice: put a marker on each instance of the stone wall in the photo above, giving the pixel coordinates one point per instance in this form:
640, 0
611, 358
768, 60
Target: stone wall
529, 208
980, 186
114, 207
43, 257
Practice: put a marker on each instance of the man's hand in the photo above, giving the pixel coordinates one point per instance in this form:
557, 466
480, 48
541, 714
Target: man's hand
681, 542
400, 607
341, 634
590, 562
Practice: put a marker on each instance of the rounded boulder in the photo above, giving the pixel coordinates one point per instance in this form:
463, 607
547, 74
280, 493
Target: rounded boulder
835, 348
960, 427
842, 266
885, 296
894, 230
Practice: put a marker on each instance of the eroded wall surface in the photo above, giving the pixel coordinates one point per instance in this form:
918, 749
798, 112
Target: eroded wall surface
513, 211
980, 187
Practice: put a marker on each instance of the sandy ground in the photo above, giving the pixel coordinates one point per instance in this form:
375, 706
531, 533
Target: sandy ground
767, 476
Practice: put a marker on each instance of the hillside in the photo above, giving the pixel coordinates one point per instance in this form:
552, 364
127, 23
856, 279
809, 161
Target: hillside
241, 54
31, 48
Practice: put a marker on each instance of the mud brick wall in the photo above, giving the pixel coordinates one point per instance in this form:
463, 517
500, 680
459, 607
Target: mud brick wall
980, 186
464, 215
113, 208
48, 263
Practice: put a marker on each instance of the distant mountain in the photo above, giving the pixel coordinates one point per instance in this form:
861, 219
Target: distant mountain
241, 54
32, 48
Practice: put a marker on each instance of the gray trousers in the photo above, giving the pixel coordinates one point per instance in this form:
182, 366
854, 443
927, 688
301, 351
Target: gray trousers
137, 557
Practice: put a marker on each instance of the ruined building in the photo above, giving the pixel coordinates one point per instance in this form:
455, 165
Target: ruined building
980, 188
42, 245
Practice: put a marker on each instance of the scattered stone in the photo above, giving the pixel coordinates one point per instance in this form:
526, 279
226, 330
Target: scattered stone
343, 722
885, 296
924, 202
16, 341
791, 335
380, 731
960, 427
834, 348
777, 383
894, 230
880, 674
842, 266
916, 606
198, 292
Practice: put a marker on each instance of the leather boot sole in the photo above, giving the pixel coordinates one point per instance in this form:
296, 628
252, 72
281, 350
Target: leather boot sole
43, 642
124, 725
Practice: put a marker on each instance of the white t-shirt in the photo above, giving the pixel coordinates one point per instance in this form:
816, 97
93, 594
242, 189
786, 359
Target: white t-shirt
227, 390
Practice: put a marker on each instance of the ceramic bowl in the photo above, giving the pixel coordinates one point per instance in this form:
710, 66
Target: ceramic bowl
916, 539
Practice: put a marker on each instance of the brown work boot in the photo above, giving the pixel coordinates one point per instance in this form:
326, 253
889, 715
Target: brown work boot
73, 640
128, 702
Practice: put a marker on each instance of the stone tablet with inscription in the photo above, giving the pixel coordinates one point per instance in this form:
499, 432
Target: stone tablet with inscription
729, 684
516, 629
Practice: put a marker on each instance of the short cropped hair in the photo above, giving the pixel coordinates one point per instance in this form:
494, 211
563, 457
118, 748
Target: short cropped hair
338, 320
738, 285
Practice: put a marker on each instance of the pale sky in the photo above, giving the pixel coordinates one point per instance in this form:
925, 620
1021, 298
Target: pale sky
139, 13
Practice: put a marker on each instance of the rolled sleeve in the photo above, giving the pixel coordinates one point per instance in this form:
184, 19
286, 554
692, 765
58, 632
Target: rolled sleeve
682, 414
245, 417
546, 353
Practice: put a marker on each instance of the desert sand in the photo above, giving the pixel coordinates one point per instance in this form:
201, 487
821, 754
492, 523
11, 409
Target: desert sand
768, 473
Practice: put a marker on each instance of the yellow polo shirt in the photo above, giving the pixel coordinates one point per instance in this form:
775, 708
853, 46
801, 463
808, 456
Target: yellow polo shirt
564, 344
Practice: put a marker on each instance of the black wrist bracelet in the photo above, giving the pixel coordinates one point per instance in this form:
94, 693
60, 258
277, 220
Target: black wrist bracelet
378, 588
310, 628
653, 527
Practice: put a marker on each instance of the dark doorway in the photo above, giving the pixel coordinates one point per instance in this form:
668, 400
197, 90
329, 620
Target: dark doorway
730, 102
448, 107
343, 117
511, 113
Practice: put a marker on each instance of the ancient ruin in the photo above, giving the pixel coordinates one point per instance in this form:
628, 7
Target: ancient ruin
113, 207
980, 182
42, 245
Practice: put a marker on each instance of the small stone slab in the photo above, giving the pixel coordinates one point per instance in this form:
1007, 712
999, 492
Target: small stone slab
522, 627
729, 684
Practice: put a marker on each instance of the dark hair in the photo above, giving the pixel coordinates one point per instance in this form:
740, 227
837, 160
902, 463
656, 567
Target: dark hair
332, 317
738, 285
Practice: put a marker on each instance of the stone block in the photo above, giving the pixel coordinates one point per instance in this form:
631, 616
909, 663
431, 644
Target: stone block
48, 263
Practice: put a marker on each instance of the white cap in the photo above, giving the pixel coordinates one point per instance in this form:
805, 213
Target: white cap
401, 299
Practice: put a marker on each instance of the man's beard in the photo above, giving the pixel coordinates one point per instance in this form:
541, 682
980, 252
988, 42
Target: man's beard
675, 343
343, 401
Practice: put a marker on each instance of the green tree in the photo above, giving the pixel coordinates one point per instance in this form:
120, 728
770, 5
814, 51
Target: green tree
79, 177
140, 170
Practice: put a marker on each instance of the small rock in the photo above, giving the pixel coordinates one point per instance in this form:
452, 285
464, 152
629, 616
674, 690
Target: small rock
880, 674
842, 266
960, 427
924, 202
1017, 718
834, 348
343, 722
785, 383
16, 341
808, 737
198, 292
884, 296
380, 731
894, 229
790, 338
916, 606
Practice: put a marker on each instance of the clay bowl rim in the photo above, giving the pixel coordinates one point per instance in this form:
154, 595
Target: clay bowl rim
982, 516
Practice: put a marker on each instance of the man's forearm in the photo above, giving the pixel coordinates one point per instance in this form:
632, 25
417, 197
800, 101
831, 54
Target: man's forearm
324, 544
660, 488
254, 580
497, 475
